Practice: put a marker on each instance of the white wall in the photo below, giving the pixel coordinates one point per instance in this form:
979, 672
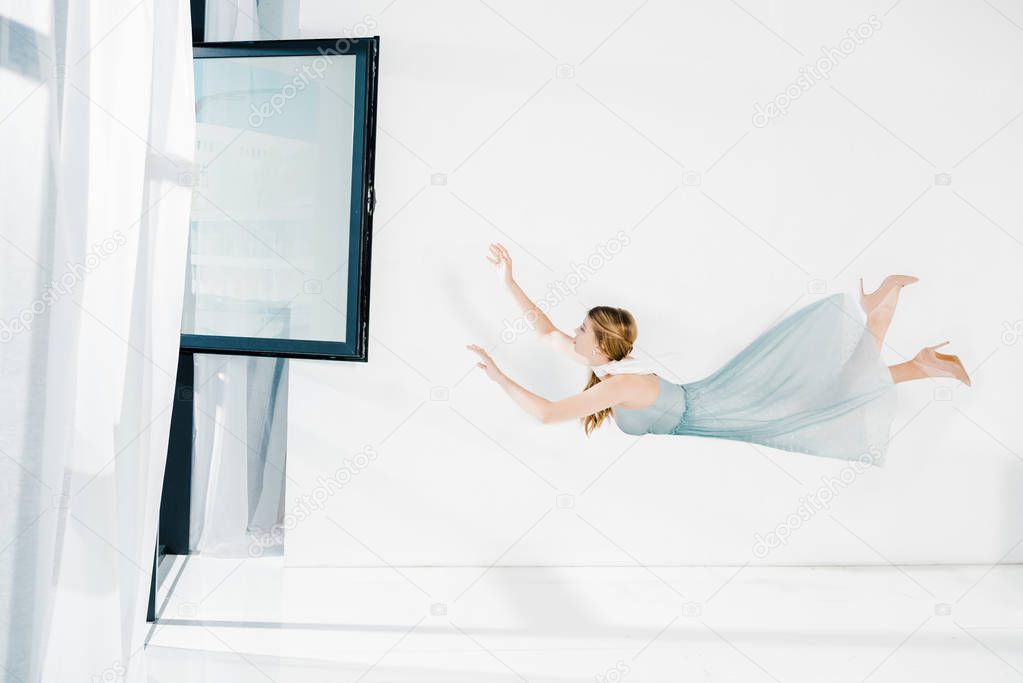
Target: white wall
731, 225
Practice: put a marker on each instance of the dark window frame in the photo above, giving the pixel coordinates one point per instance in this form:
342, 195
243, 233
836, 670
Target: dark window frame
355, 345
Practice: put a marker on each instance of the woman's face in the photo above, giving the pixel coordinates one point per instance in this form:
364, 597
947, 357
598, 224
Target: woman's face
586, 343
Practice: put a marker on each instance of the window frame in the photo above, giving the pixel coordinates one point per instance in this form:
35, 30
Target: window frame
355, 345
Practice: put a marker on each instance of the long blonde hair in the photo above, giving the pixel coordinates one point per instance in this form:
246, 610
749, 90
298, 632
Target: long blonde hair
615, 332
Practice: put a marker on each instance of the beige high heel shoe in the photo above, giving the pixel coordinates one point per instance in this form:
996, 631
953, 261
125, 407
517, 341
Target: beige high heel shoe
936, 364
868, 302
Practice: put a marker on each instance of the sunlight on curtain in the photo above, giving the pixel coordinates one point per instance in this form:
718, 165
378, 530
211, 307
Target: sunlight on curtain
97, 133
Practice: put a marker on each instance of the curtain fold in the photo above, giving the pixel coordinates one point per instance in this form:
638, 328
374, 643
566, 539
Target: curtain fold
240, 410
229, 20
97, 127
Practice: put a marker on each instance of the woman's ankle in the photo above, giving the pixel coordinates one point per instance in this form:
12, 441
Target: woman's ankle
906, 371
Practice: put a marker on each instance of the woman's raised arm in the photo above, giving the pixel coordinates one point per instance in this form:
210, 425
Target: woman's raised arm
604, 394
534, 317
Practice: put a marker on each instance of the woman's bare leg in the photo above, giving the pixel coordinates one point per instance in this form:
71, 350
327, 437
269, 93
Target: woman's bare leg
904, 372
879, 306
880, 319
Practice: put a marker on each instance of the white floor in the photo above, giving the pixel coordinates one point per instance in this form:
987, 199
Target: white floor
253, 619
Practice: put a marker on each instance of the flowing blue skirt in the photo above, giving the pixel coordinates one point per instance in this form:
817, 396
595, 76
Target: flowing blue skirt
814, 383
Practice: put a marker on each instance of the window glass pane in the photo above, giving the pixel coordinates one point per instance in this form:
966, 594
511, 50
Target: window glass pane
271, 208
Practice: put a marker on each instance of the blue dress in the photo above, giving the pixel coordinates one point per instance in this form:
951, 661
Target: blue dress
814, 382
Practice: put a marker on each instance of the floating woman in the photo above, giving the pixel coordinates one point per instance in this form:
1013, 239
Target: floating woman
814, 382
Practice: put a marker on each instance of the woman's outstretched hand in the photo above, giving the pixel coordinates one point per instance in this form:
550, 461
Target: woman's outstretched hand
501, 261
486, 362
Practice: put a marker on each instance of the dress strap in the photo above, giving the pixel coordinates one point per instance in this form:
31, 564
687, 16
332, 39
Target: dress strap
625, 366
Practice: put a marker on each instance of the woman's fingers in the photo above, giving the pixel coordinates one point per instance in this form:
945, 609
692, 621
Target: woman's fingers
500, 254
495, 255
479, 351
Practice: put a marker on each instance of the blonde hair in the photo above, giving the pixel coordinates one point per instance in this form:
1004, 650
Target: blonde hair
615, 332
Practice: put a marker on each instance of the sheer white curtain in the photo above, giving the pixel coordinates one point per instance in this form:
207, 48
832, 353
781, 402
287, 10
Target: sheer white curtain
251, 19
240, 409
232, 20
97, 137
240, 403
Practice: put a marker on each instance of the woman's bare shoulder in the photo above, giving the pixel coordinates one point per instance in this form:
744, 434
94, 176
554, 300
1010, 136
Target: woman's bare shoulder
633, 388
634, 378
